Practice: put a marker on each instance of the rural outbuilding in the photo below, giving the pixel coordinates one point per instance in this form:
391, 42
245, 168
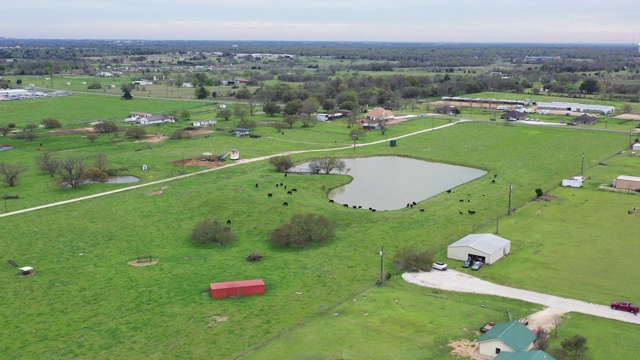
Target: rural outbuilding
510, 337
527, 355
237, 288
487, 248
626, 182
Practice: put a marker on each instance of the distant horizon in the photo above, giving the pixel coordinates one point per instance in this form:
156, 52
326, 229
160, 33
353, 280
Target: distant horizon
621, 44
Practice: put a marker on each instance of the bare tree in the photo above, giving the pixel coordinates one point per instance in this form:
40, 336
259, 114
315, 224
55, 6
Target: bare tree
327, 164
555, 321
9, 173
48, 164
102, 163
353, 116
71, 172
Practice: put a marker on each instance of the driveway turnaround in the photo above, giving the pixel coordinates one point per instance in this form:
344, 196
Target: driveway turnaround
452, 280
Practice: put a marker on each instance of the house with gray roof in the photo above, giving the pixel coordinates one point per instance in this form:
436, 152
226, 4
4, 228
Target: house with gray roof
487, 248
512, 337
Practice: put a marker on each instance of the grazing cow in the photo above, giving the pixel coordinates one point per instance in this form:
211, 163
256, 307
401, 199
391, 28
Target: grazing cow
449, 191
493, 181
414, 203
289, 193
411, 205
285, 204
373, 210
495, 175
471, 212
468, 200
359, 207
461, 200
460, 212
257, 185
370, 208
276, 185
285, 187
331, 201
269, 195
228, 222
285, 174
408, 205
355, 207
345, 205
421, 210
280, 184
294, 189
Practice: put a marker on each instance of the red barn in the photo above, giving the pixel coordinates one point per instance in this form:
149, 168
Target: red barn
237, 288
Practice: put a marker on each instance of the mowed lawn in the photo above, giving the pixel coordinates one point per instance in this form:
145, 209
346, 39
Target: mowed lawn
85, 301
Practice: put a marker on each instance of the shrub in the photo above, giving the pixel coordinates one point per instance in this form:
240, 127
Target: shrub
94, 174
210, 232
106, 127
180, 134
95, 85
410, 259
303, 230
51, 123
135, 132
281, 163
539, 192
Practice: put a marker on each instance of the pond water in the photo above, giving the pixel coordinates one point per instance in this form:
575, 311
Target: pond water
391, 182
123, 179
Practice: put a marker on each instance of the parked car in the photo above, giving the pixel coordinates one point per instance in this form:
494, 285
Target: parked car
467, 263
439, 266
476, 265
625, 306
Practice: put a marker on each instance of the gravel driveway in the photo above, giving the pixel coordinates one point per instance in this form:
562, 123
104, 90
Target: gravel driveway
452, 280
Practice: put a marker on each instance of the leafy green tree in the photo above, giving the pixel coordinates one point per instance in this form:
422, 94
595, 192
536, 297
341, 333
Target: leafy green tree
290, 120
212, 232
589, 86
310, 106
201, 92
240, 111
271, 108
126, 90
303, 230
224, 114
281, 163
4, 130
329, 105
293, 107
185, 115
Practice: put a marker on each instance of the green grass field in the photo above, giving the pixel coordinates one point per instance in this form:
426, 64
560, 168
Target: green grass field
85, 301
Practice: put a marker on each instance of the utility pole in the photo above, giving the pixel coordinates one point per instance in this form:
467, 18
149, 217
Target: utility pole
381, 281
582, 167
510, 188
497, 221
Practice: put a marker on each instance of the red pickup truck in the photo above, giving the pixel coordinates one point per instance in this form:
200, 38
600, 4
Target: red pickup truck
625, 306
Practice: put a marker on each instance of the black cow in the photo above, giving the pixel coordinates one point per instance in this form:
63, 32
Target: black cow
331, 201
228, 222
461, 200
257, 186
285, 204
449, 191
294, 189
421, 210
414, 203
493, 181
289, 193
471, 212
359, 207
345, 205
355, 207
269, 195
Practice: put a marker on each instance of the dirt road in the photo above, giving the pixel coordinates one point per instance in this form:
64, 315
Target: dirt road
452, 280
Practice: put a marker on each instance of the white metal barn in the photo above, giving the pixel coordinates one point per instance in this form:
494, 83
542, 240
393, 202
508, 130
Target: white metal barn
487, 248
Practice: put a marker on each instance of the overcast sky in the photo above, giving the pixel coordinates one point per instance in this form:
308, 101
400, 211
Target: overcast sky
542, 21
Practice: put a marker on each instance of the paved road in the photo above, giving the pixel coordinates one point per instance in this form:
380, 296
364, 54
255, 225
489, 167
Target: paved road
452, 280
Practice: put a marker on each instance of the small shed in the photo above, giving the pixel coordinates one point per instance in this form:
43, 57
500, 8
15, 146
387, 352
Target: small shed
237, 288
626, 182
487, 248
506, 337
242, 132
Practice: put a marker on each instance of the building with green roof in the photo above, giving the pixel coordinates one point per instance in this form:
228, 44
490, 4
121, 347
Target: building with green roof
527, 355
506, 337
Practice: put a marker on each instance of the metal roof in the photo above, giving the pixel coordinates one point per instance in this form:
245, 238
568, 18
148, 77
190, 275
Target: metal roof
513, 334
527, 355
487, 243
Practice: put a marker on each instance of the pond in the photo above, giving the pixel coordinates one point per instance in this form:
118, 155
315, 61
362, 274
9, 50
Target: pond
392, 182
123, 179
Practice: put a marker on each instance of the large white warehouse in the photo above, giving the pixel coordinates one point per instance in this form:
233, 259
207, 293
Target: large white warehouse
487, 248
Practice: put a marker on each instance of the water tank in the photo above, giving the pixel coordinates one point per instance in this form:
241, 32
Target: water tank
392, 143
